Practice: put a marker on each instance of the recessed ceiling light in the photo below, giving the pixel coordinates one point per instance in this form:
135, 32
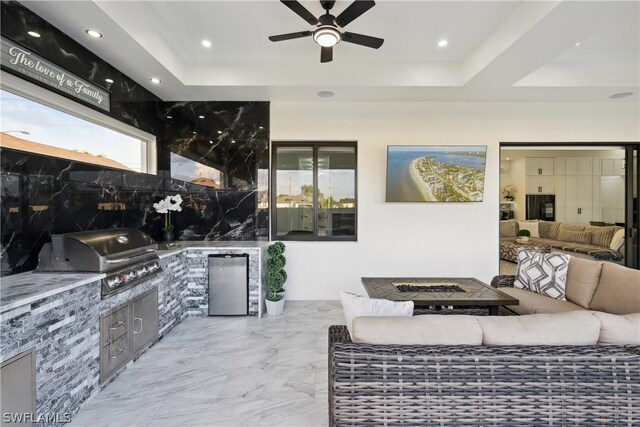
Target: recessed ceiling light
194, 132
169, 117
325, 94
260, 127
210, 142
205, 43
155, 80
93, 33
34, 34
577, 43
507, 158
219, 132
621, 95
108, 81
233, 141
201, 117
443, 43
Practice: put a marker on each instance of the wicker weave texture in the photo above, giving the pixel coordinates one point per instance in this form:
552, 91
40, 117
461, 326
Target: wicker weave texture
481, 385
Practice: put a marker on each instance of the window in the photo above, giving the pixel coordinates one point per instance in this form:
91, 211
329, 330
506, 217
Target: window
314, 191
38, 121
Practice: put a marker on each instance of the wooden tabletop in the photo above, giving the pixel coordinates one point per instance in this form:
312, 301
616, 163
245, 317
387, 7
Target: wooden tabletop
474, 292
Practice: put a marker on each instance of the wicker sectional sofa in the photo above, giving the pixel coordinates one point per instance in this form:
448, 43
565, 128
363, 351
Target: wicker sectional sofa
411, 385
591, 285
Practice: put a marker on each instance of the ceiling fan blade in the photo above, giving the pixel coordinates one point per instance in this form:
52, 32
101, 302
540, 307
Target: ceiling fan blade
290, 36
355, 9
326, 54
362, 40
301, 11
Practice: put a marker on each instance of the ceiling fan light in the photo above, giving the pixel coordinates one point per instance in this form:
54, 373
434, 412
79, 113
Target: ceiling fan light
327, 36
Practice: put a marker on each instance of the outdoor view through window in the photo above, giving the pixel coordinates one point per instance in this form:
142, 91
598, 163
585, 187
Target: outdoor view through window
330, 211
29, 126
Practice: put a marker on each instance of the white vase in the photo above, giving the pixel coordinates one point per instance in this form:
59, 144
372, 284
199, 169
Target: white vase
275, 308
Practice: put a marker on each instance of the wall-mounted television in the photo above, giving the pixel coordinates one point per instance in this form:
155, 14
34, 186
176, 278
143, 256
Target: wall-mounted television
435, 173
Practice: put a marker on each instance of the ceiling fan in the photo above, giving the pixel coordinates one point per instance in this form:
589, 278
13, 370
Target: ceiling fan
328, 34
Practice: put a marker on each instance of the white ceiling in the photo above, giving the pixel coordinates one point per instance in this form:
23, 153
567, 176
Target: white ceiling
497, 51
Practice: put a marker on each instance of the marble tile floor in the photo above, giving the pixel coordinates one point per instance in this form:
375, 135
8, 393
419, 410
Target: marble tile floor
226, 371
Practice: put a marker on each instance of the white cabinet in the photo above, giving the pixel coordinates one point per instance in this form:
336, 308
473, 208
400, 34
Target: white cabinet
538, 166
578, 199
596, 167
612, 167
578, 166
539, 185
595, 191
559, 166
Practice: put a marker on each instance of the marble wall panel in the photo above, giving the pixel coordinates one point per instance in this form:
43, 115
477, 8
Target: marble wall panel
43, 195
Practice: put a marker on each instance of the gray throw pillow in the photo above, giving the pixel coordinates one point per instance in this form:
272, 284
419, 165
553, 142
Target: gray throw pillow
542, 273
508, 228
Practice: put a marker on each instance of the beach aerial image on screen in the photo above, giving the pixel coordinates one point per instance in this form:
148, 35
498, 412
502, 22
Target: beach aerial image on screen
435, 173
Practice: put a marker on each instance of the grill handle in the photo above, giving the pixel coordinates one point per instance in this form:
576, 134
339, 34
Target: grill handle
119, 260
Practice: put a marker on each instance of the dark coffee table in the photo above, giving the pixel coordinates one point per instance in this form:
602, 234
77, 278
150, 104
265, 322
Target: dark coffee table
426, 291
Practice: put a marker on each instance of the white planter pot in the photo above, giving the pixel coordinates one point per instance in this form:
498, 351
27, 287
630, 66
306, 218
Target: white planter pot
275, 308
524, 238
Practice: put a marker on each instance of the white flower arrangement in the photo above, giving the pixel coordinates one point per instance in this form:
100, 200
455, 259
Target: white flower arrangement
166, 206
509, 191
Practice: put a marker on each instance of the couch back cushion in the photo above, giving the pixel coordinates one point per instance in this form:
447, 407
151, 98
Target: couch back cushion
548, 229
573, 236
601, 236
418, 330
618, 291
617, 241
583, 277
508, 228
618, 329
571, 328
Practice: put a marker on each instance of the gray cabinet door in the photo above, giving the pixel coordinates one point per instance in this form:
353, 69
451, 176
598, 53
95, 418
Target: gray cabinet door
144, 320
18, 385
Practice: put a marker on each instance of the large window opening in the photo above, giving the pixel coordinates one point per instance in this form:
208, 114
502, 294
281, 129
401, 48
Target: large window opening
37, 121
314, 191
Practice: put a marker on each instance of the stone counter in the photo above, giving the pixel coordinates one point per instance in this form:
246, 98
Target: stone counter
23, 289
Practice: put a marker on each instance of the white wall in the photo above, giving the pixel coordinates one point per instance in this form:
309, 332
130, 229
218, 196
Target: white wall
425, 239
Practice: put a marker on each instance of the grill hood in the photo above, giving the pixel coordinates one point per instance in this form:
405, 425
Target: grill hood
96, 251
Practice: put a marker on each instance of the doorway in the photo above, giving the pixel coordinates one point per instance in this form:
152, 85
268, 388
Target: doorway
591, 187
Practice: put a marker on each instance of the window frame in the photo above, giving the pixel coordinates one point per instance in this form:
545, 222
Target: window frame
35, 93
315, 145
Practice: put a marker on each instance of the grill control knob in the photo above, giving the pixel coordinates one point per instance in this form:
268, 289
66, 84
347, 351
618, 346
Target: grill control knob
124, 278
132, 274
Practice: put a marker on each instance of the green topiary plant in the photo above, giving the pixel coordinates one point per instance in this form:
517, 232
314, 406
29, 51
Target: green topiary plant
524, 233
276, 276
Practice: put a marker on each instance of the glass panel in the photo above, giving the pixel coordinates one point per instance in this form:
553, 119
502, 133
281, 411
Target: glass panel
336, 191
294, 191
33, 127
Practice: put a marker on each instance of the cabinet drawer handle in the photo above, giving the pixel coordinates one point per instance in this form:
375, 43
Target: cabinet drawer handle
134, 325
117, 325
120, 351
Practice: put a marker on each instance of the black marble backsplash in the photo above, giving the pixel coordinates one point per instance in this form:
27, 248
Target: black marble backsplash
43, 195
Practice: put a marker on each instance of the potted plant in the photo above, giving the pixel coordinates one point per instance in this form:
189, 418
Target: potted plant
166, 206
524, 235
276, 276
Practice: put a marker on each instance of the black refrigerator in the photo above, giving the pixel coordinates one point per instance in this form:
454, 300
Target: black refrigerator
541, 207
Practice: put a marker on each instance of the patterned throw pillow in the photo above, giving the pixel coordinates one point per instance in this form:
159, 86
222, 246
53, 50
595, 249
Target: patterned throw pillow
545, 274
601, 236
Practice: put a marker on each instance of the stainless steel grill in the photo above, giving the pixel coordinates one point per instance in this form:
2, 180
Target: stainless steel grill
128, 256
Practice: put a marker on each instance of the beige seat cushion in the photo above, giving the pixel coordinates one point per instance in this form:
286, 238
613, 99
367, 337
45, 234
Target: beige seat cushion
582, 280
572, 328
618, 329
418, 330
533, 303
618, 291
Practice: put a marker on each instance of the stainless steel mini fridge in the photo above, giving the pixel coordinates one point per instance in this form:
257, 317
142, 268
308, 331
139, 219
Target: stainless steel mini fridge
228, 285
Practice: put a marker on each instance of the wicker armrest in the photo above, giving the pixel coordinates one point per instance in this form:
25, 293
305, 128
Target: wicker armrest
503, 281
